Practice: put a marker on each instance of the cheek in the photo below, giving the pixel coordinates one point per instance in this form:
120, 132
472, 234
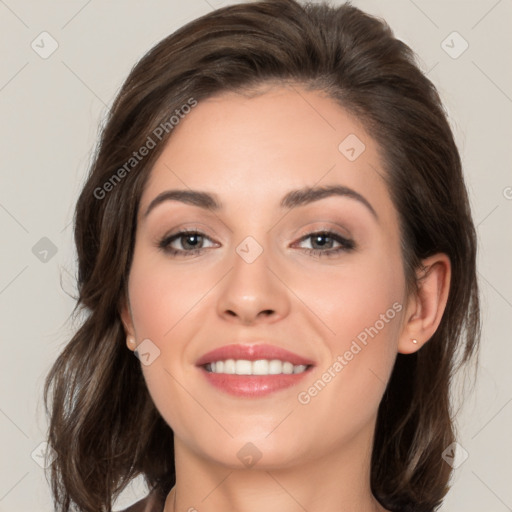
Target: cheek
162, 301
352, 298
161, 295
362, 308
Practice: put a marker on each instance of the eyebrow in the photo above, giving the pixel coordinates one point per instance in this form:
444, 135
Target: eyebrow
292, 199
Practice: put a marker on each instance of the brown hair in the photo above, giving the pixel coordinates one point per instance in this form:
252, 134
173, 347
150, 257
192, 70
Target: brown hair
104, 427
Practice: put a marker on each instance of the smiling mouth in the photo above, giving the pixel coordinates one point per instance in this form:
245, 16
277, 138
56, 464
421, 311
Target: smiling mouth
242, 378
253, 371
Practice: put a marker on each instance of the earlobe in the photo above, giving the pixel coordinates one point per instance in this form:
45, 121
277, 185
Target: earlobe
425, 309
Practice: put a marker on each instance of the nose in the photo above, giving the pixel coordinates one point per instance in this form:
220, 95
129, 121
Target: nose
253, 292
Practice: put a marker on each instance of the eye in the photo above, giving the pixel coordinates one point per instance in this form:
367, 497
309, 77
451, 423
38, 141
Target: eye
191, 242
322, 243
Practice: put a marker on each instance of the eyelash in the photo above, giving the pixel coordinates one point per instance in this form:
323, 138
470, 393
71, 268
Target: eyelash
346, 245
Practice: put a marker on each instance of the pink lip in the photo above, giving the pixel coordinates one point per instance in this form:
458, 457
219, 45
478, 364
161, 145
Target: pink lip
252, 353
252, 386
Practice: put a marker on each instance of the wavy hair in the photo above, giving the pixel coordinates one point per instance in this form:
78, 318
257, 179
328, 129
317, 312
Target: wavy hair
103, 425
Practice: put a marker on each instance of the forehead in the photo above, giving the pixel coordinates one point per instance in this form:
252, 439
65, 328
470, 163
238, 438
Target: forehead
254, 149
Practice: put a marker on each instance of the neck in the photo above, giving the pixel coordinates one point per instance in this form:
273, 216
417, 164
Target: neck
337, 481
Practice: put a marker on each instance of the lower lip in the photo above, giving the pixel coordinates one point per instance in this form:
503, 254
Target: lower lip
253, 386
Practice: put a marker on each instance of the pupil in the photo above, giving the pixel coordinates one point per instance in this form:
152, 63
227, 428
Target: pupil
190, 237
319, 237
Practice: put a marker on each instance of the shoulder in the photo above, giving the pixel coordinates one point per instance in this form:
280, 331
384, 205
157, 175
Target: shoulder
150, 503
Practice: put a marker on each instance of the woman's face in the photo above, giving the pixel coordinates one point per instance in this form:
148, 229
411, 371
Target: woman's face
319, 276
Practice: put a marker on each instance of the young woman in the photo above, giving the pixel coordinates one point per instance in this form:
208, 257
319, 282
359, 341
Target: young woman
276, 225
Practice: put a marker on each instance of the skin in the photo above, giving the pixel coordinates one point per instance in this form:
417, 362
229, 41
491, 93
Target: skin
251, 151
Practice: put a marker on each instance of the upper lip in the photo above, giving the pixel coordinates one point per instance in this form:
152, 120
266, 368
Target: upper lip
252, 353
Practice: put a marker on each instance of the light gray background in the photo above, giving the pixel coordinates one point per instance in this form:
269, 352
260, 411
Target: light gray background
51, 110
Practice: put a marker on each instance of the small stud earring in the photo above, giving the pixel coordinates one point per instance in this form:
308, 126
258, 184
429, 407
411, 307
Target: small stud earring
131, 341
414, 341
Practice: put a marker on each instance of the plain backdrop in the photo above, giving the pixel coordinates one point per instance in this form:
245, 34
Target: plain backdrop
52, 106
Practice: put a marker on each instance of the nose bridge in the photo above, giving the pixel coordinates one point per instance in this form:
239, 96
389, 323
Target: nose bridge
251, 290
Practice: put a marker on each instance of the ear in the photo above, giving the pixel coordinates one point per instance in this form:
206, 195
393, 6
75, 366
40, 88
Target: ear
126, 318
425, 307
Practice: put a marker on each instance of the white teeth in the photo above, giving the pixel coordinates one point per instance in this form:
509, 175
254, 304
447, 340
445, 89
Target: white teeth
258, 367
229, 366
243, 367
288, 368
275, 367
